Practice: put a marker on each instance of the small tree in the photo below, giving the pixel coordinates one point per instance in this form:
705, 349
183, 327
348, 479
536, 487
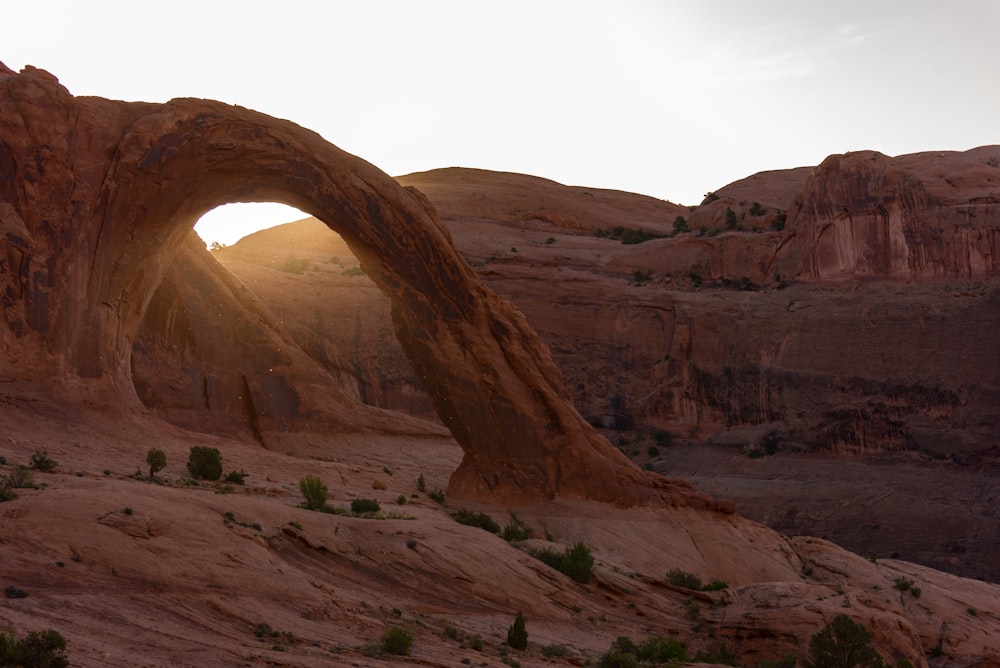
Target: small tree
157, 460
204, 463
843, 643
680, 225
314, 491
517, 634
578, 563
398, 641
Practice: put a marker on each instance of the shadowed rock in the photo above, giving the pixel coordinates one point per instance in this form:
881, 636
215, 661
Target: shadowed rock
97, 196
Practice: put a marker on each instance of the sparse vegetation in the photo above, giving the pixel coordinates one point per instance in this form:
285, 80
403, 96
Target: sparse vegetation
314, 492
843, 643
679, 578
156, 460
437, 495
364, 506
20, 478
38, 649
627, 235
576, 562
294, 265
720, 655
757, 210
236, 477
514, 531
652, 651
709, 198
204, 463
680, 225
40, 461
473, 519
421, 484
397, 641
517, 634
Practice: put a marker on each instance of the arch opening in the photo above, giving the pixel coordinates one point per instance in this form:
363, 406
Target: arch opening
307, 286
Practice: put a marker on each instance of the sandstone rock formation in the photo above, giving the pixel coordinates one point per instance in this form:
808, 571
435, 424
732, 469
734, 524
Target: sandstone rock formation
854, 365
97, 197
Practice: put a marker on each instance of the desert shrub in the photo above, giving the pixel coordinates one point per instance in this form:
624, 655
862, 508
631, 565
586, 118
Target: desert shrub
715, 585
843, 643
436, 495
722, 655
661, 650
679, 578
515, 532
314, 492
38, 649
757, 210
621, 654
576, 562
551, 651
40, 461
6, 493
421, 484
903, 583
680, 225
398, 641
517, 634
472, 519
157, 460
295, 265
709, 198
20, 478
362, 506
236, 477
204, 463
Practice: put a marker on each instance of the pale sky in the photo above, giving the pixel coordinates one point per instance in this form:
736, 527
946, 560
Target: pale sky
669, 98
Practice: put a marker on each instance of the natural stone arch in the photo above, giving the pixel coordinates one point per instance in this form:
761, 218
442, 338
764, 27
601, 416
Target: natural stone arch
99, 194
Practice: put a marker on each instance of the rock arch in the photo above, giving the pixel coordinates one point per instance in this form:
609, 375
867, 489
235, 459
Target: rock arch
97, 195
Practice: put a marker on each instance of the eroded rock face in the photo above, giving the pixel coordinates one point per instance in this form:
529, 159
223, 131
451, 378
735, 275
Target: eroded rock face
97, 197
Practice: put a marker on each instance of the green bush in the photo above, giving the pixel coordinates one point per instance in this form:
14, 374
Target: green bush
843, 643
40, 461
576, 562
398, 641
436, 495
722, 655
658, 650
517, 634
314, 492
679, 578
236, 477
757, 210
157, 460
515, 532
204, 463
362, 506
20, 478
421, 484
680, 225
472, 519
38, 649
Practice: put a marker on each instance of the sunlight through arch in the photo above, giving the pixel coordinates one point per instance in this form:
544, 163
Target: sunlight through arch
226, 224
